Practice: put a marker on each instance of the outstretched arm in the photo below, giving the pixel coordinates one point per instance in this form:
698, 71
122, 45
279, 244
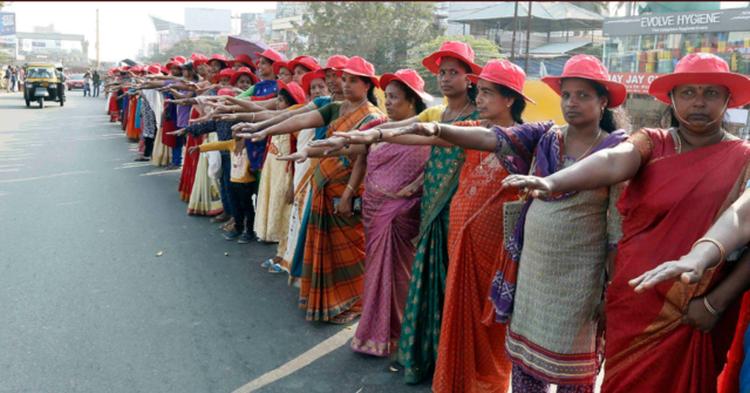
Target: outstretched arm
601, 169
306, 120
731, 231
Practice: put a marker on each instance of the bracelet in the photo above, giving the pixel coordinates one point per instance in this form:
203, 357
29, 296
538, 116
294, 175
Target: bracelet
439, 130
380, 135
709, 307
349, 186
722, 251
253, 121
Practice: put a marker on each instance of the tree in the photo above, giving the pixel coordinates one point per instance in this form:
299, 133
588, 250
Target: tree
204, 45
483, 49
381, 32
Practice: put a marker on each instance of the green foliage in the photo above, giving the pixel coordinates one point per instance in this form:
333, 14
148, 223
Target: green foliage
381, 32
483, 49
204, 45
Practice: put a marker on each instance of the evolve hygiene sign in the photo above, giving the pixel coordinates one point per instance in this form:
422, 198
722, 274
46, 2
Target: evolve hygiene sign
683, 22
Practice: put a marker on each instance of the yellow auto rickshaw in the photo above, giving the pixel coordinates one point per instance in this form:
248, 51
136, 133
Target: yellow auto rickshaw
44, 82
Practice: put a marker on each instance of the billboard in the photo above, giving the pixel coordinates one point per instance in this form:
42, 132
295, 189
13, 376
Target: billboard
7, 23
206, 19
679, 23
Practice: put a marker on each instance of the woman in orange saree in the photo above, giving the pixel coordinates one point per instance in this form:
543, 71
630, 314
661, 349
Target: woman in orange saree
332, 272
681, 180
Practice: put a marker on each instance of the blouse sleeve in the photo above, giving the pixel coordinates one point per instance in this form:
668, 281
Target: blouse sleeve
515, 145
614, 219
642, 141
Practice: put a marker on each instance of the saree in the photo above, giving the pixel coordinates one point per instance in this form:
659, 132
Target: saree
471, 356
301, 192
130, 129
391, 223
189, 166
272, 209
161, 155
205, 199
420, 330
331, 282
660, 223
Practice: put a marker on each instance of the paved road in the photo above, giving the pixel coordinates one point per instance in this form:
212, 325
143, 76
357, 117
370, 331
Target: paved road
86, 304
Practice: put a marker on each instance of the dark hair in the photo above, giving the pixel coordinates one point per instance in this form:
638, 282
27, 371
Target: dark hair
412, 97
519, 104
610, 120
370, 91
288, 98
472, 91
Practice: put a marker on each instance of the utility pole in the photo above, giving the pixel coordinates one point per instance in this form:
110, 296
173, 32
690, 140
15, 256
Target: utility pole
528, 35
97, 38
515, 27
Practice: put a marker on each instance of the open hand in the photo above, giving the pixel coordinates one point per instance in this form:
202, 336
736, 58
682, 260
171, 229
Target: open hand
299, 157
689, 269
179, 132
359, 137
425, 129
537, 186
255, 137
330, 145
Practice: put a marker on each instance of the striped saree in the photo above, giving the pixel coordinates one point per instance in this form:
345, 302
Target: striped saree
333, 267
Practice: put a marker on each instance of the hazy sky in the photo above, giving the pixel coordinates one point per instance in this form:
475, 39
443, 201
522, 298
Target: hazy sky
123, 26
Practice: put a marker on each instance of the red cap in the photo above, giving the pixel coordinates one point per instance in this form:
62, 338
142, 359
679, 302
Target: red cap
221, 58
336, 62
154, 69
455, 49
198, 59
164, 70
305, 61
225, 73
294, 90
503, 72
136, 69
278, 65
309, 77
271, 54
411, 79
245, 59
589, 67
176, 61
703, 68
243, 71
361, 67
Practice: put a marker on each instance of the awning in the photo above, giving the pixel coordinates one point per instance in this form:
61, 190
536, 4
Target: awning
558, 48
545, 17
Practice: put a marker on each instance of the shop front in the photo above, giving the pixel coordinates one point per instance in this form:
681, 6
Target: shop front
640, 48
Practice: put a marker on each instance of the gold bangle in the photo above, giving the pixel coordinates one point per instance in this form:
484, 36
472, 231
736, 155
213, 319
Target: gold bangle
439, 130
709, 307
253, 121
349, 186
722, 250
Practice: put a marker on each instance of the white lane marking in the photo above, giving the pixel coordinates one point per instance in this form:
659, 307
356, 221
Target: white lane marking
5, 170
133, 165
324, 348
68, 203
52, 176
156, 173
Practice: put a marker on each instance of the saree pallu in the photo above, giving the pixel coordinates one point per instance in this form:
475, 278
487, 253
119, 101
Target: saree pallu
331, 282
130, 129
471, 356
420, 330
391, 224
670, 204
301, 186
189, 165
205, 198
272, 209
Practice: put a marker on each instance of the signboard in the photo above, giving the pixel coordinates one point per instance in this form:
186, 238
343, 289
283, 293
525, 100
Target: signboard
677, 23
7, 23
279, 46
635, 82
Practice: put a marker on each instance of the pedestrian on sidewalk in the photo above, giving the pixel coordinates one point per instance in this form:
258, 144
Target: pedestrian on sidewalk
96, 81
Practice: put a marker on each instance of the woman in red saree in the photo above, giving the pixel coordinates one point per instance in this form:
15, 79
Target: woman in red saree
681, 179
